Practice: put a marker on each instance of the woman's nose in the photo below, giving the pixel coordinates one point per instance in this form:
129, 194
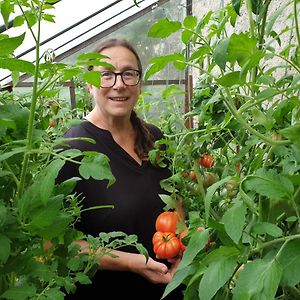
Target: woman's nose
119, 81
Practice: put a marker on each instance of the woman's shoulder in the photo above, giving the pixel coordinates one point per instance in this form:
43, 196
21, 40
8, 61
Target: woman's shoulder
76, 130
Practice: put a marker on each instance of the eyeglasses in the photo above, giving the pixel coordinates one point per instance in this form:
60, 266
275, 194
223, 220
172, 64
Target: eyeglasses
129, 78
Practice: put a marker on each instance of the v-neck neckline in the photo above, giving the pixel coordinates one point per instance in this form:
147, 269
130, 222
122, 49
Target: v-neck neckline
123, 151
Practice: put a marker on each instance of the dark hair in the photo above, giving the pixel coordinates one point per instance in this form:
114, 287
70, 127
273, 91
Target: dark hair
118, 42
144, 139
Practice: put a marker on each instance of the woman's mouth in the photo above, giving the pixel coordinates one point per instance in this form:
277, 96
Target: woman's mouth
119, 99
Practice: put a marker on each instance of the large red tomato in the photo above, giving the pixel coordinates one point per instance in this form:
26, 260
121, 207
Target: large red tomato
165, 244
167, 221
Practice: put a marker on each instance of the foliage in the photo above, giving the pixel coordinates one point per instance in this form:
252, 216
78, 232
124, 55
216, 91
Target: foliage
246, 114
38, 256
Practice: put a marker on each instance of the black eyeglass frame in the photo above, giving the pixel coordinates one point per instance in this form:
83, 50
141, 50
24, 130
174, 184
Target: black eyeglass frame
121, 74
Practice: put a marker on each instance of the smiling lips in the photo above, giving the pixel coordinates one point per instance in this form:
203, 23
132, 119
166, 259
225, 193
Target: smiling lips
120, 99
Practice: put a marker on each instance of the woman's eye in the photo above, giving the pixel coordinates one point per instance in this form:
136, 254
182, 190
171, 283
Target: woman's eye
107, 74
128, 74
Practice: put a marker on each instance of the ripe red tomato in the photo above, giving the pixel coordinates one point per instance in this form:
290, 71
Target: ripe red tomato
167, 221
206, 160
165, 244
51, 123
181, 236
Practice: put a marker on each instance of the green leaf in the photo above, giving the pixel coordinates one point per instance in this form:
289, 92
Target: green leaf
290, 262
236, 5
168, 200
158, 63
196, 243
292, 133
83, 278
6, 9
21, 292
163, 28
230, 79
268, 93
210, 191
200, 52
14, 64
190, 22
258, 280
186, 36
177, 279
270, 184
47, 179
267, 228
49, 18
240, 48
8, 45
216, 275
234, 220
96, 165
220, 53
5, 248
93, 78
30, 17
252, 61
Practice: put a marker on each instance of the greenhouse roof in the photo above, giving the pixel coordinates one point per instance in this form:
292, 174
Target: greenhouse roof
76, 25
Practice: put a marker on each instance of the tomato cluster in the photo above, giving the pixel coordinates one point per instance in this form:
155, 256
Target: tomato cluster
166, 243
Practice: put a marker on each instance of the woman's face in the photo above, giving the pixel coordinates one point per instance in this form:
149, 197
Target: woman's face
118, 100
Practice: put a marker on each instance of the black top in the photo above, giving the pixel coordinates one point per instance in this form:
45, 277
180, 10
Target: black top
135, 196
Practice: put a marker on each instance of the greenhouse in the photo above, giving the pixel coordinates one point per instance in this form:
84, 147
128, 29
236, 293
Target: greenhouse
150, 149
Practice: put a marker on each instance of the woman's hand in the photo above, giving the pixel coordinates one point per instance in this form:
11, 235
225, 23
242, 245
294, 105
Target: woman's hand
154, 271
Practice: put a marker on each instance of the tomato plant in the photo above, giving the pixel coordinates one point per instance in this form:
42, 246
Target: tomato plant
246, 109
167, 221
165, 244
206, 160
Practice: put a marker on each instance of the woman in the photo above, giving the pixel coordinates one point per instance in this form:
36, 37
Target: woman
126, 140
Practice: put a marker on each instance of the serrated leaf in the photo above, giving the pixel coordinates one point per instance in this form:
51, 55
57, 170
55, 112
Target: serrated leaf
96, 166
14, 64
240, 48
269, 183
234, 220
267, 228
258, 280
216, 275
8, 45
290, 262
83, 278
20, 292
